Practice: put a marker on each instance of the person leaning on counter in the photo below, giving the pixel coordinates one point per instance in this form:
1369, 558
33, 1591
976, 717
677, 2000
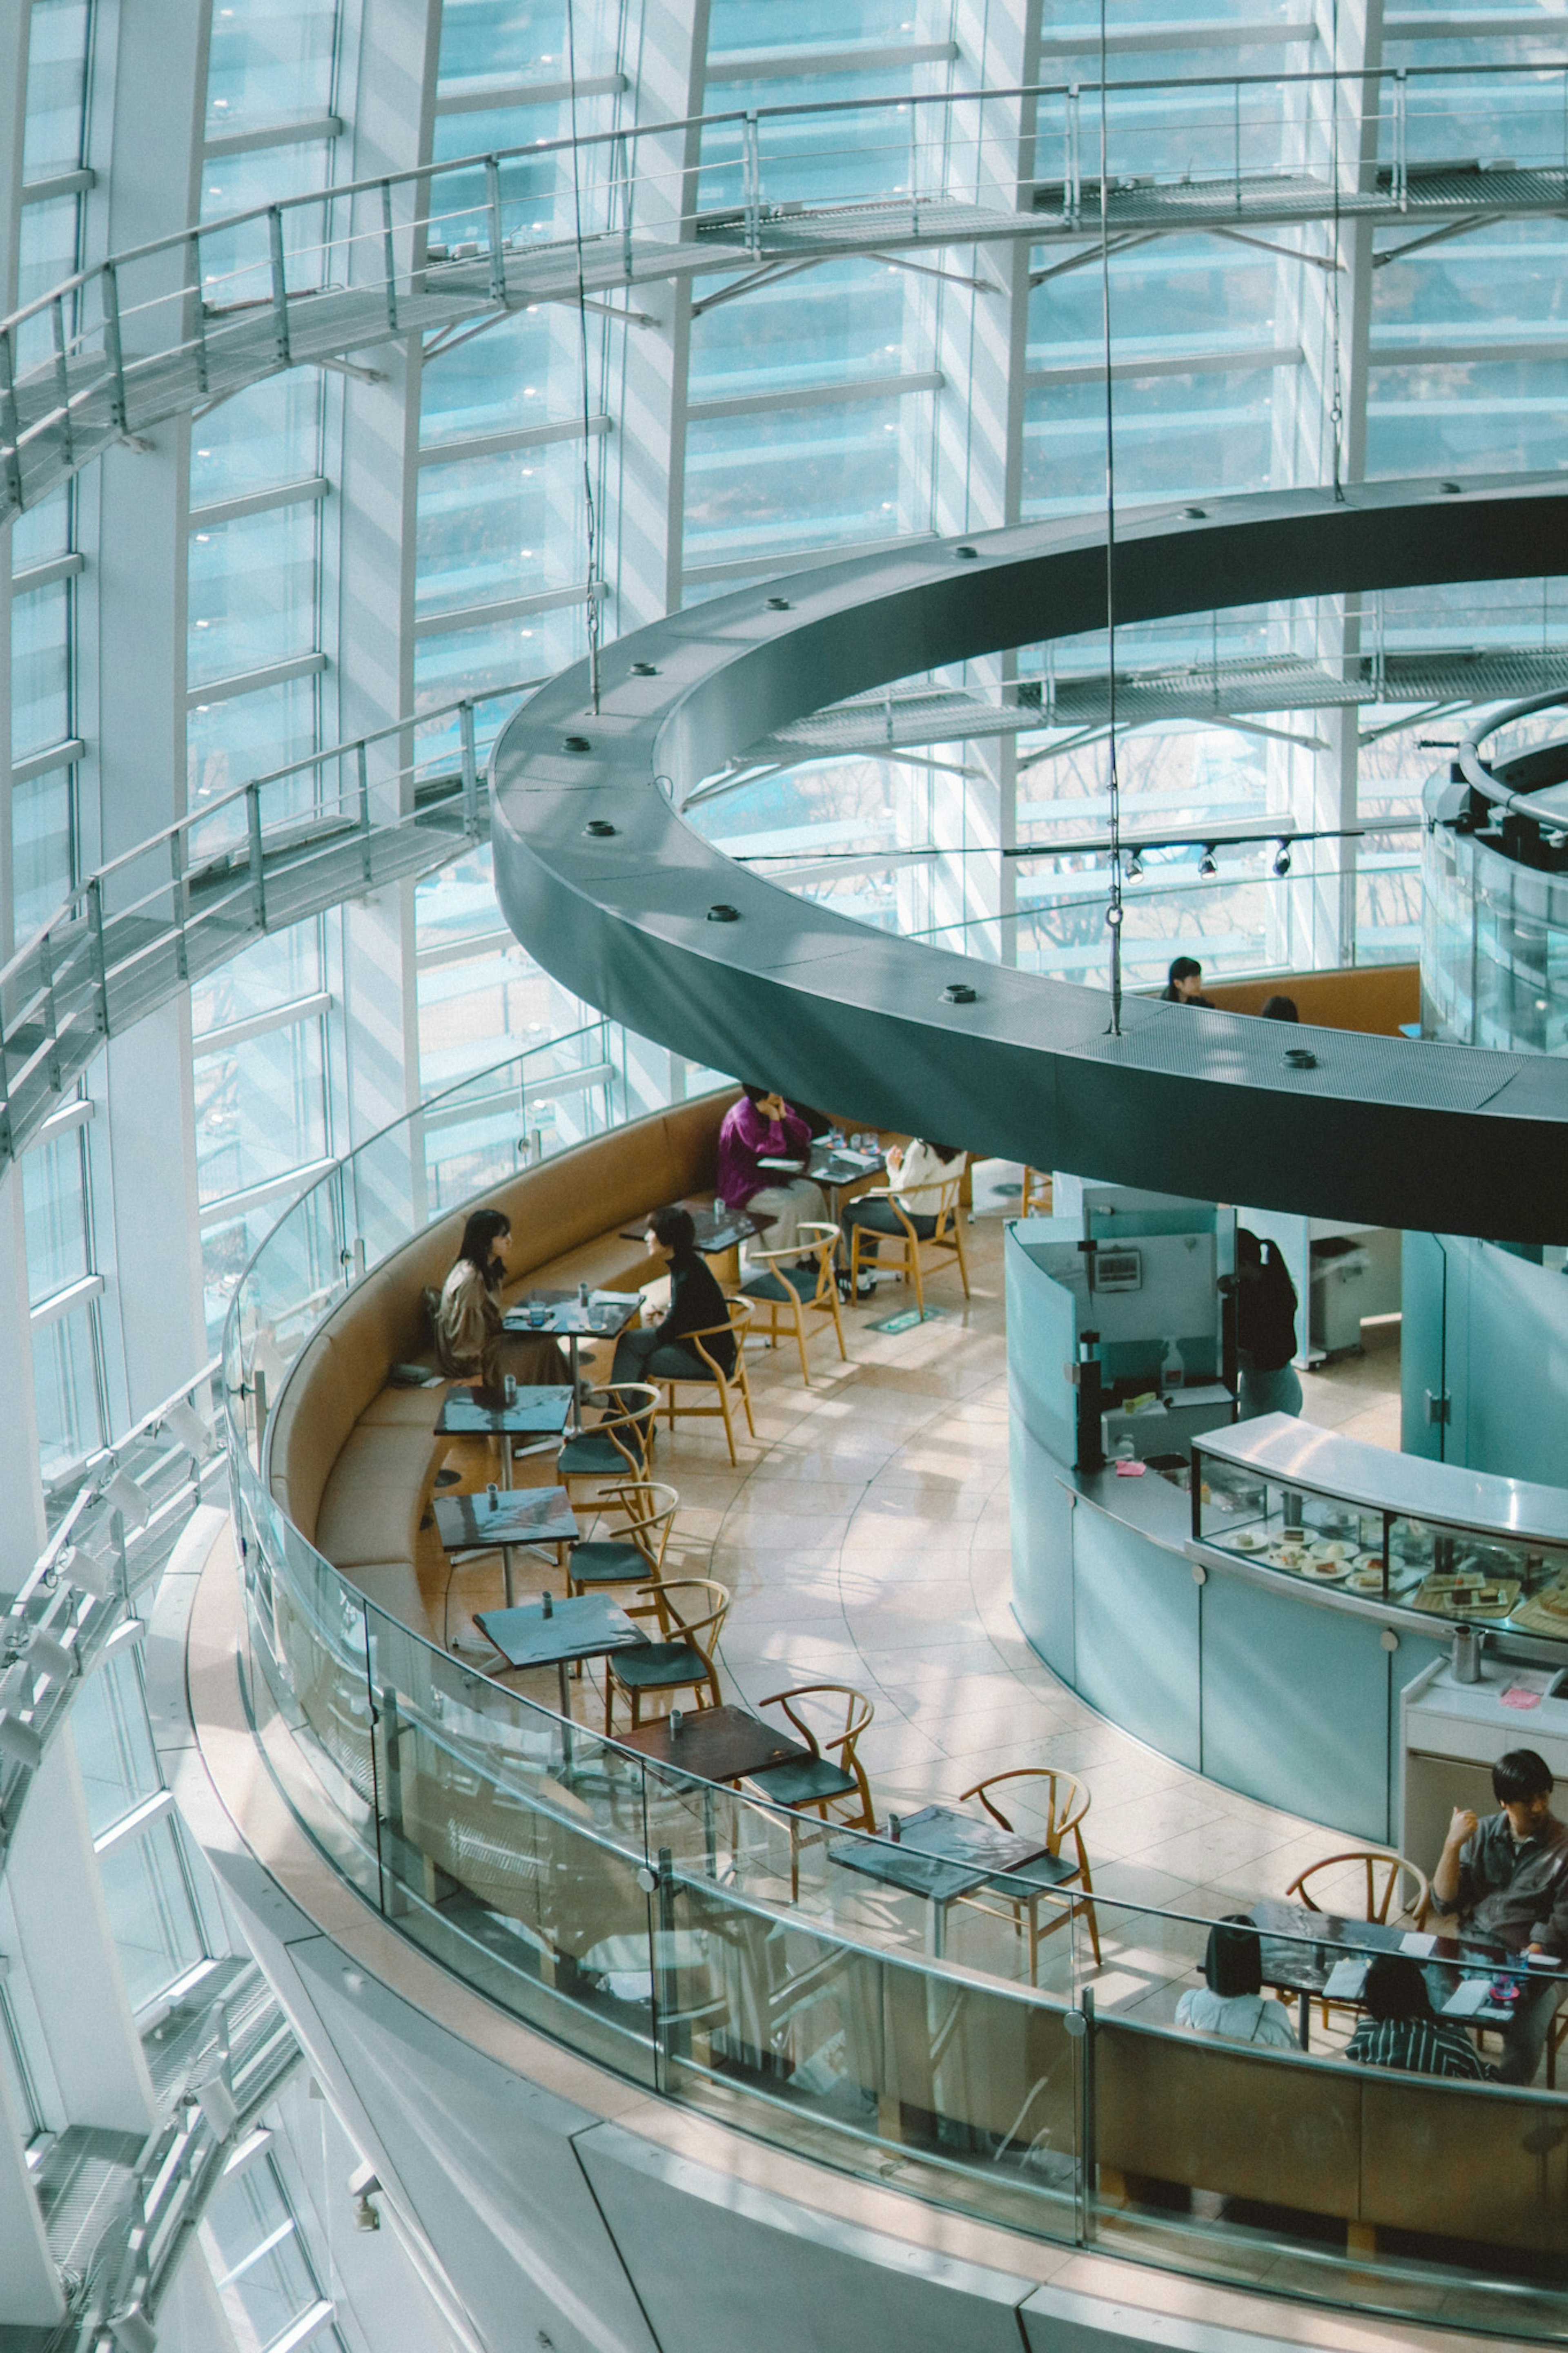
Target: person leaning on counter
1507, 1880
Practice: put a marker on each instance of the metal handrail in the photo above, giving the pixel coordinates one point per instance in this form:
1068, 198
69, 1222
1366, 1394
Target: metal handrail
1397, 77
1474, 769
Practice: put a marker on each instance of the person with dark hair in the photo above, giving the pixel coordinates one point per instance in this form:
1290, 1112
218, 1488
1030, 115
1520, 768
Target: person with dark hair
1279, 1008
915, 1178
762, 1126
1184, 984
696, 1305
1507, 1880
1232, 2003
467, 1317
1399, 2029
1265, 1328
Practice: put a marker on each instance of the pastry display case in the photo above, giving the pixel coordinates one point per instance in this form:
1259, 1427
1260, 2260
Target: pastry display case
1391, 1530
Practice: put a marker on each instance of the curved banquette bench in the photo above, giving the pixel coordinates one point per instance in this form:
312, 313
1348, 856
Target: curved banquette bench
352, 1458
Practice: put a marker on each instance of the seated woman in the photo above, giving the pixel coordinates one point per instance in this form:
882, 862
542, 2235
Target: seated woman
915, 1178
762, 1126
469, 1342
1232, 2003
696, 1305
1401, 2030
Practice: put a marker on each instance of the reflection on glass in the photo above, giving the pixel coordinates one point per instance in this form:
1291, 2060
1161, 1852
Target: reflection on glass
43, 849
274, 972
67, 1392
151, 1914
260, 1108
54, 1200
270, 63
58, 33
253, 591
258, 2258
114, 1744
266, 435
40, 669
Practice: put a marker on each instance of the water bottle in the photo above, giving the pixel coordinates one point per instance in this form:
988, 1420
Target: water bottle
492, 1496
512, 1388
549, 1605
583, 1297
673, 1722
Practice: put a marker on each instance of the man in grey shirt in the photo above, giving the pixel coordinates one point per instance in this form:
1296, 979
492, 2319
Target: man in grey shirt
1507, 1880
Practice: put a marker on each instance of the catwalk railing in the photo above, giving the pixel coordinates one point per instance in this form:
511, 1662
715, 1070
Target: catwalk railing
400, 802
761, 1967
219, 2050
161, 327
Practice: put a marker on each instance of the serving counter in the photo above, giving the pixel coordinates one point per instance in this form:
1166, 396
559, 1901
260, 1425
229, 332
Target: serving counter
1260, 1614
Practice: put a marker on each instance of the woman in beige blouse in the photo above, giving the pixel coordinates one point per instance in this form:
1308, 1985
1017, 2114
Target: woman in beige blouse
467, 1316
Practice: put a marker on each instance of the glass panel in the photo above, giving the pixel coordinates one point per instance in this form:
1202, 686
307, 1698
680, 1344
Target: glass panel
524, 371
478, 987
151, 1916
46, 254
40, 669
1176, 437
477, 661
494, 528
792, 478
41, 533
253, 592
755, 25
114, 1744
834, 325
43, 849
57, 88
270, 62
18, 2076
54, 1196
500, 41
247, 735
236, 263
268, 434
260, 1108
1466, 415
258, 2258
67, 1392
275, 972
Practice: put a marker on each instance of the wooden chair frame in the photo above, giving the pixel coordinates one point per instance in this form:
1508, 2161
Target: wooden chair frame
1038, 1191
648, 1507
824, 1300
1372, 1860
738, 1324
1066, 1804
700, 1634
947, 1234
858, 1712
629, 1428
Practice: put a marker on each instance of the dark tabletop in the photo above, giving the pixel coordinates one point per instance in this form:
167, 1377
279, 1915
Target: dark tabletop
521, 1515
539, 1412
1302, 1966
585, 1628
943, 1854
715, 1226
842, 1166
568, 1320
715, 1744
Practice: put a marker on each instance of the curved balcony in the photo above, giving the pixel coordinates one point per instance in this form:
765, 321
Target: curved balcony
511, 1884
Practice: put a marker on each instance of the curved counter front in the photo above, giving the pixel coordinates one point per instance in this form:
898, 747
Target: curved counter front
1270, 1675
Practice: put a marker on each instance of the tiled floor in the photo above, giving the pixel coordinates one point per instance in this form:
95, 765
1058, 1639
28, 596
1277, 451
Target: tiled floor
864, 1538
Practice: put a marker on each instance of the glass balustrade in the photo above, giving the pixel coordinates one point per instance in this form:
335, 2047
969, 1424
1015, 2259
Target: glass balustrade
1007, 2049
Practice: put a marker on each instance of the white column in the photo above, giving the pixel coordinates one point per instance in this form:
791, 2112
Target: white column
648, 463
982, 344
133, 608
69, 1952
22, 1530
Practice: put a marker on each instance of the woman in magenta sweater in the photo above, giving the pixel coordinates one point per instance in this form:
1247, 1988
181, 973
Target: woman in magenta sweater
761, 1127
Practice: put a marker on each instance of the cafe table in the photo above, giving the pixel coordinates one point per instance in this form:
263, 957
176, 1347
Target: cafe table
944, 1855
562, 1314
533, 1410
1300, 1950
715, 1745
504, 1517
550, 1633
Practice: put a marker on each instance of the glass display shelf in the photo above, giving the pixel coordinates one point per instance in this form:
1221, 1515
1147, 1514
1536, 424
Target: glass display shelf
1456, 1547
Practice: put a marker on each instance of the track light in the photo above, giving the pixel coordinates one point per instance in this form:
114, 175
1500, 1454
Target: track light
93, 1568
186, 1428
219, 2106
1282, 858
1207, 863
47, 1656
363, 2189
124, 1495
1133, 865
19, 1744
133, 2331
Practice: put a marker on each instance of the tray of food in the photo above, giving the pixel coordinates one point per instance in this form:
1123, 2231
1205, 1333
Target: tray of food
1545, 1612
1366, 1574
1466, 1593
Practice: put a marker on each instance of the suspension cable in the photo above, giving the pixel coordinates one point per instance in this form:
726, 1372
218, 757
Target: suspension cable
1337, 401
1113, 913
589, 512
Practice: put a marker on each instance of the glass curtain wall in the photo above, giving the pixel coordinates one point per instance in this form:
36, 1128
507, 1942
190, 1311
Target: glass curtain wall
65, 1290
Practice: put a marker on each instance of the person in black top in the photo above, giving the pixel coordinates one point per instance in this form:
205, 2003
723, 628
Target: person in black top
1279, 1008
696, 1304
1507, 1880
1265, 1328
1185, 982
